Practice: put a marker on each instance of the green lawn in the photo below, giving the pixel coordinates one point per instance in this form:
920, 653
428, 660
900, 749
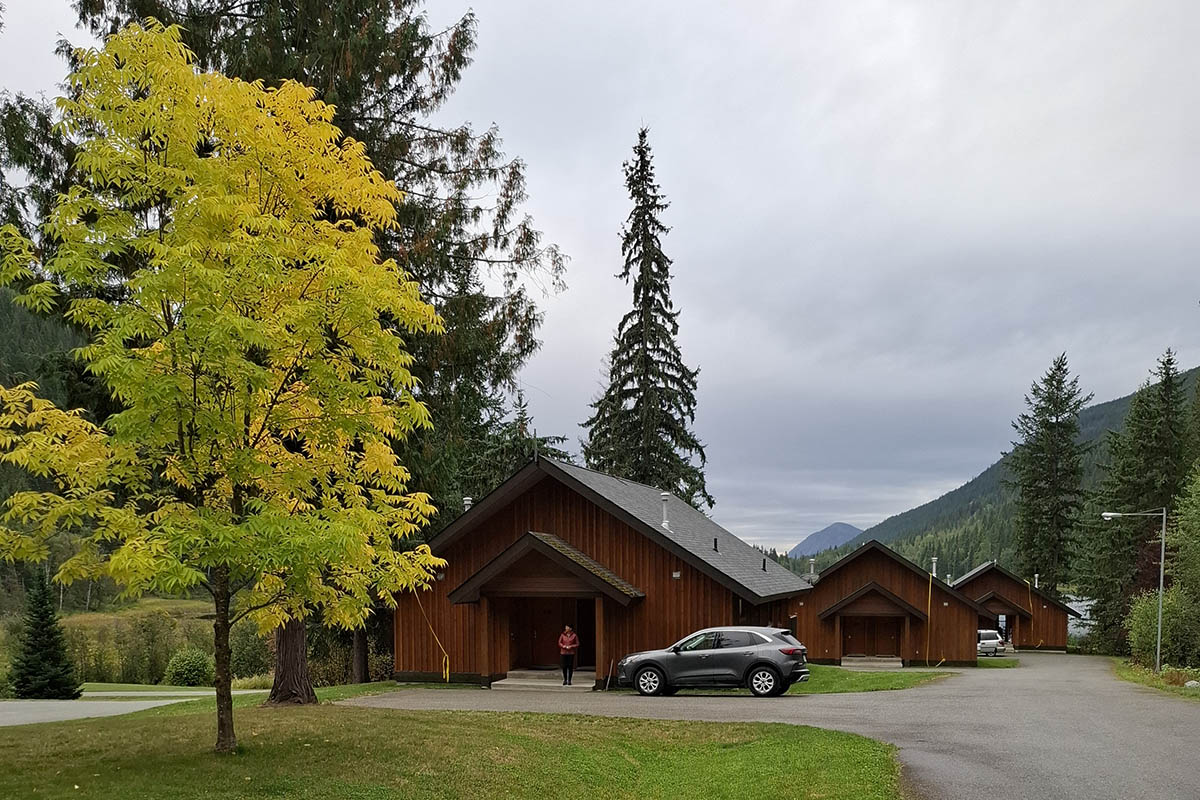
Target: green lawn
1002, 662
824, 679
351, 753
1147, 677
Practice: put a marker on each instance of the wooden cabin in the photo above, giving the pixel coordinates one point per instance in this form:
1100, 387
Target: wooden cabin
630, 567
876, 603
1035, 619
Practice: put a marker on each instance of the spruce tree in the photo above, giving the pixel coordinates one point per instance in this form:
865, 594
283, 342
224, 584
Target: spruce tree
1047, 468
1147, 469
640, 427
41, 669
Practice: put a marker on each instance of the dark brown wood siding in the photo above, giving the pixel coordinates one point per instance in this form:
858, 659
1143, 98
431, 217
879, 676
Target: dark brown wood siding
949, 632
670, 609
1047, 629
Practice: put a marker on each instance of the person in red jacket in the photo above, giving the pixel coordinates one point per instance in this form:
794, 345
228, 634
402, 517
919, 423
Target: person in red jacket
568, 645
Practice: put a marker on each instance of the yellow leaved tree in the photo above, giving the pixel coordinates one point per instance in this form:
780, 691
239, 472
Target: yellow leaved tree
219, 247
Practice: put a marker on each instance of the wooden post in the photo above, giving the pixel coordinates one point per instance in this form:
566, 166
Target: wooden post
837, 636
601, 650
483, 627
904, 645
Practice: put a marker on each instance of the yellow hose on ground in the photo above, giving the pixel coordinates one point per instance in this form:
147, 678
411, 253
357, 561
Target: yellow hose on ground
445, 655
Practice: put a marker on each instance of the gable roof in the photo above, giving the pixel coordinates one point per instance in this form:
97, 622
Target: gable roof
1021, 610
872, 586
876, 546
690, 536
989, 566
569, 558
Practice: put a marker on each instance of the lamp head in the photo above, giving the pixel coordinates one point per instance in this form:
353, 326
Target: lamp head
1108, 516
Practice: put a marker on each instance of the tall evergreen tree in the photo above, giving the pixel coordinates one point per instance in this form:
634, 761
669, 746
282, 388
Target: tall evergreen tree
1047, 470
1147, 470
640, 427
42, 668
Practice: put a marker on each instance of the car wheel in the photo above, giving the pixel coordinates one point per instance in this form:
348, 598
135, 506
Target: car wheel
650, 682
763, 681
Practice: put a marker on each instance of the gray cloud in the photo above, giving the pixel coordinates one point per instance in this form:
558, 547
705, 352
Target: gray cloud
887, 218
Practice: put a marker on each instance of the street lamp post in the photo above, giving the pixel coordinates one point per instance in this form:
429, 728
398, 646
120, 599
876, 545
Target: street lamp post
1162, 560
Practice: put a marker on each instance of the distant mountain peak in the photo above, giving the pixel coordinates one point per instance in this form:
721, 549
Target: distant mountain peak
834, 535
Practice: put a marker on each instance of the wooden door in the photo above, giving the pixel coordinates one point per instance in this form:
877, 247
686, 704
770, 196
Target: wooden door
887, 636
854, 636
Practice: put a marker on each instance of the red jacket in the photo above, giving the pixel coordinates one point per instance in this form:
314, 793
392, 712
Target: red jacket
568, 643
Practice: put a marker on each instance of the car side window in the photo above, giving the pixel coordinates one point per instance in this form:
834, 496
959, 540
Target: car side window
730, 639
701, 641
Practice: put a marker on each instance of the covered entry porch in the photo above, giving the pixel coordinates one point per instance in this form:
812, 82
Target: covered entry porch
527, 594
1015, 616
873, 622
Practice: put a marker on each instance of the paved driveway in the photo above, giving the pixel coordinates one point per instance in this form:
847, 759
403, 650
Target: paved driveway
24, 712
1057, 727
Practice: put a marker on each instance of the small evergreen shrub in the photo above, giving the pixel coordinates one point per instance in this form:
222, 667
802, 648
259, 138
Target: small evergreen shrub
190, 667
42, 669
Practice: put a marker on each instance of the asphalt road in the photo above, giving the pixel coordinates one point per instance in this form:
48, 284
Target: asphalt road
1056, 727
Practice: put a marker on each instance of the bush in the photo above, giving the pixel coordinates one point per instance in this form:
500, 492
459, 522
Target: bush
250, 654
1180, 628
264, 681
190, 667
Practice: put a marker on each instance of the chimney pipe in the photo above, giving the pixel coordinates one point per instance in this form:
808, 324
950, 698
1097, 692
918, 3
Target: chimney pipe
764, 565
812, 566
715, 550
934, 570
467, 503
665, 524
1035, 580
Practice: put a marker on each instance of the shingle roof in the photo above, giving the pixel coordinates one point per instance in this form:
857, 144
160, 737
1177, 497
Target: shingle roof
987, 566
590, 564
692, 531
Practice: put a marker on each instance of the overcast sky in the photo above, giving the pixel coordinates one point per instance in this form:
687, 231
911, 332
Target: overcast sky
887, 218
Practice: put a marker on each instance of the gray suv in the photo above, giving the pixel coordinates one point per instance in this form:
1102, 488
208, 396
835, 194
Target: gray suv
765, 660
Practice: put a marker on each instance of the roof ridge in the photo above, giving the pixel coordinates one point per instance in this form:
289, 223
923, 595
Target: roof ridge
562, 463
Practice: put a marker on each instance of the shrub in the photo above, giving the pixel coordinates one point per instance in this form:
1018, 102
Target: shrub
250, 653
1180, 628
264, 681
190, 667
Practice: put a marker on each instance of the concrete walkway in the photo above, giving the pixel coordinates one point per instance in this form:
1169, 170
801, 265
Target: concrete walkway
25, 712
1056, 727
98, 704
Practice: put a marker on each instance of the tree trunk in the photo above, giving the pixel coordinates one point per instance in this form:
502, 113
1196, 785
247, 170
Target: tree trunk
293, 684
226, 740
87, 601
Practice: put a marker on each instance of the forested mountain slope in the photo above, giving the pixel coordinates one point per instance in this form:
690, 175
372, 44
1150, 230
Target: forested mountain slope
974, 523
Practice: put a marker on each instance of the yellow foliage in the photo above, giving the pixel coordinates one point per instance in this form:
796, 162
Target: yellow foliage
257, 351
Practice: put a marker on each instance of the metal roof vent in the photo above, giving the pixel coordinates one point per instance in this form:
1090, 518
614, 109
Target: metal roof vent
812, 566
467, 503
933, 571
764, 565
665, 497
715, 550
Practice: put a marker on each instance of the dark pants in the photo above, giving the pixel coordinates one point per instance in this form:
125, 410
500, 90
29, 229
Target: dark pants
568, 667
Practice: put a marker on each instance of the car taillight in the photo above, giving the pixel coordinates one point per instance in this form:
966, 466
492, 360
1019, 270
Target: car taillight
791, 651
